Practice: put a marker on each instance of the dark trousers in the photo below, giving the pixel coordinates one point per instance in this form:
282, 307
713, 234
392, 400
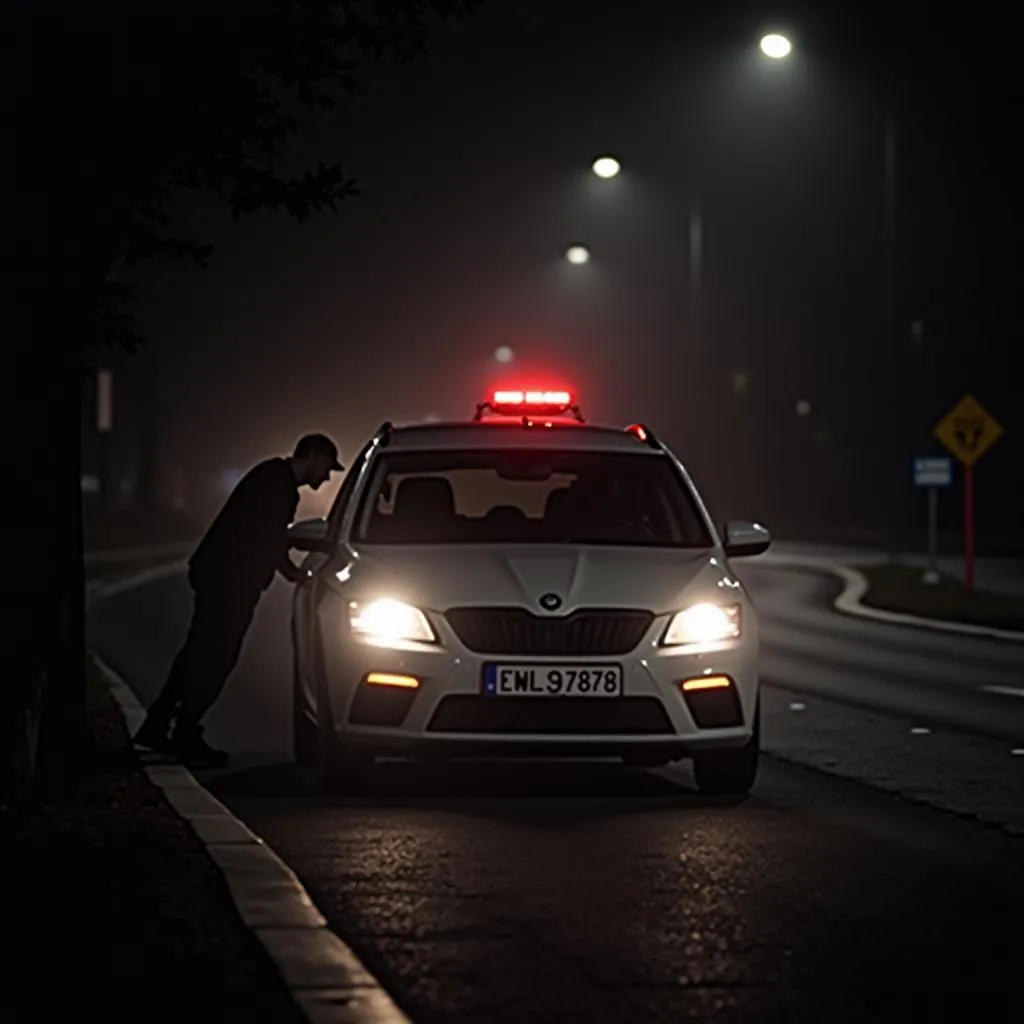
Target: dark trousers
220, 619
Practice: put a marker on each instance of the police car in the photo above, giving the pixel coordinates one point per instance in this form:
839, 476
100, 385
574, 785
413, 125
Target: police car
524, 583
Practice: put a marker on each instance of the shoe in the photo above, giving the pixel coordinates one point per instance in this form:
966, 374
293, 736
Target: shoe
194, 752
154, 735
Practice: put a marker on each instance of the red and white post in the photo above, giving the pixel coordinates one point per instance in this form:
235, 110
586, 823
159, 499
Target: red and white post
969, 526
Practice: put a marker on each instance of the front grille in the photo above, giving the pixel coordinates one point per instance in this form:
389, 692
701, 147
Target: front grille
597, 632
551, 716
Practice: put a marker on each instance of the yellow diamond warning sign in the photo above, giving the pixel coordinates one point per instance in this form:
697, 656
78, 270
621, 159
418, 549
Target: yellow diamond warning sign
968, 430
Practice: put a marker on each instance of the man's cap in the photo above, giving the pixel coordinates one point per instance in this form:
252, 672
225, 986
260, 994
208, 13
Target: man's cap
319, 444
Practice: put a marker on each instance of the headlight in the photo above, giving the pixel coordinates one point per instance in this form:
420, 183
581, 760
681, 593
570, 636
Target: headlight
703, 623
386, 619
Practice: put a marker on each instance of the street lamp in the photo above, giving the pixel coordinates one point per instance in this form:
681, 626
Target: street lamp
776, 46
606, 167
577, 255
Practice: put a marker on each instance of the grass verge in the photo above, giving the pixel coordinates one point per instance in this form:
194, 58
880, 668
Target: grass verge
898, 588
117, 909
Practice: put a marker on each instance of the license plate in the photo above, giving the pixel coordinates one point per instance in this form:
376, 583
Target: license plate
553, 680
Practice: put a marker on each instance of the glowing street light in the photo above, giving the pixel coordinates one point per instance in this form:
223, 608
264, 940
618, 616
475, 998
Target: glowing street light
606, 167
775, 46
577, 255
504, 354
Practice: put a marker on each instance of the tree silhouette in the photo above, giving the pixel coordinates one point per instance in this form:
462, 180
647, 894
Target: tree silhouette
111, 117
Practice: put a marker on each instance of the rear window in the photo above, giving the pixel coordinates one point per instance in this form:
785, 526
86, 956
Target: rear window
507, 496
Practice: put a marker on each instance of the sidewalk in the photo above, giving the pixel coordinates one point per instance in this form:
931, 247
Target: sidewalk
117, 909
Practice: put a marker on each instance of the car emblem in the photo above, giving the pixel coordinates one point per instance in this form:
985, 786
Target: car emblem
550, 602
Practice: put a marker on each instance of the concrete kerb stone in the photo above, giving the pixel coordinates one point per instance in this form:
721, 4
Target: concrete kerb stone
326, 979
347, 1006
855, 586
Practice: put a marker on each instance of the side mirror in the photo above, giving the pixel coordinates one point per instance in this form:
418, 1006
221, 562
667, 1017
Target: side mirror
746, 539
308, 535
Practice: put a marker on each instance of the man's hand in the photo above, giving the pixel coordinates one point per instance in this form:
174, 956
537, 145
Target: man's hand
294, 573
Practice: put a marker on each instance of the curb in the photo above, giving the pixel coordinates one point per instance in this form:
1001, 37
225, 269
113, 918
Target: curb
855, 586
325, 978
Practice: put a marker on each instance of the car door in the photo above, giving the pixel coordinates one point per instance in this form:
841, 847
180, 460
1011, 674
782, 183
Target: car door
312, 590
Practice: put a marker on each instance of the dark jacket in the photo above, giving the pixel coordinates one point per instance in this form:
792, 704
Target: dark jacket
248, 541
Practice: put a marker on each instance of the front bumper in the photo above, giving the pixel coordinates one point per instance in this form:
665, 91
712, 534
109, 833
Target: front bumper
448, 714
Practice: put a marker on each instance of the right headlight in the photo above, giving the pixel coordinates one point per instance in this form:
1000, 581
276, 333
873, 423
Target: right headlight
387, 619
703, 623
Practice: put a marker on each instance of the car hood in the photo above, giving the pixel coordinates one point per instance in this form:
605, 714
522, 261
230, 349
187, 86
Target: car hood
443, 577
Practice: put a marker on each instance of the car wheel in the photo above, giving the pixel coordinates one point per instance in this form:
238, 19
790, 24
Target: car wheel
305, 743
343, 768
730, 771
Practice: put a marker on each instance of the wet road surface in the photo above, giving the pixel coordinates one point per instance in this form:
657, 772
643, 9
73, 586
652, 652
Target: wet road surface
589, 892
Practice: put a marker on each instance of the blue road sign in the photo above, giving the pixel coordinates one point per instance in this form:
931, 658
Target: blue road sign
933, 472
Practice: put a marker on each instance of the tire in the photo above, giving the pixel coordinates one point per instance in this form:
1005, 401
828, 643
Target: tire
730, 771
343, 769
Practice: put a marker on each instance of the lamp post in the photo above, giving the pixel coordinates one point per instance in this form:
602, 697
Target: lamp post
776, 47
577, 255
606, 167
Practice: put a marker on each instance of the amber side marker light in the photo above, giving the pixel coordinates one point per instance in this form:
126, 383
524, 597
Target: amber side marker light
389, 679
706, 683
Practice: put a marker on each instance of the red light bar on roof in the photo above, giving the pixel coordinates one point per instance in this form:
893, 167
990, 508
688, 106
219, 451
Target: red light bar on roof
547, 399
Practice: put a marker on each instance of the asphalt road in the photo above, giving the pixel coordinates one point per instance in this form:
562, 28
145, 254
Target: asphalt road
877, 872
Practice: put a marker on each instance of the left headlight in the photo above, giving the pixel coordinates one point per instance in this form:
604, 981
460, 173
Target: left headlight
387, 619
703, 623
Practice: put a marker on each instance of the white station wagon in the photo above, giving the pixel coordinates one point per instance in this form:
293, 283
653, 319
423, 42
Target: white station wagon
524, 584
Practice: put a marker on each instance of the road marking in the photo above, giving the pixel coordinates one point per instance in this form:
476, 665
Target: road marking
1006, 691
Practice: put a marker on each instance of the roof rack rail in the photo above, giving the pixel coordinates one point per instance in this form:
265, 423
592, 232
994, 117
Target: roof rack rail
528, 421
383, 434
644, 434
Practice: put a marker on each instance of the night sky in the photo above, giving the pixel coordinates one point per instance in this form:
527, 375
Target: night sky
473, 165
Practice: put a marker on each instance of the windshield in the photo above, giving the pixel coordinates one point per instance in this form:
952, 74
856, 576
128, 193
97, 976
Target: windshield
507, 496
